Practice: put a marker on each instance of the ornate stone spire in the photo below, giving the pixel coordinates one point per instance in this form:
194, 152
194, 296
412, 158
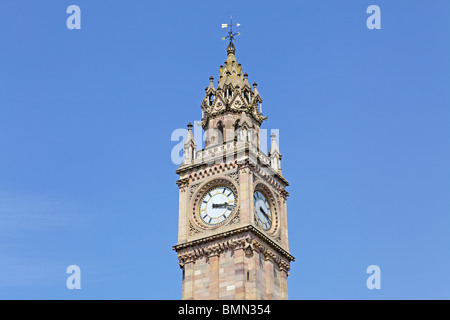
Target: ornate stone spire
255, 90
211, 88
189, 146
223, 106
275, 155
231, 73
211, 84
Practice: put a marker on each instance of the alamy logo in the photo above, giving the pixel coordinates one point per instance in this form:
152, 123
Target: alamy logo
374, 21
74, 280
74, 20
218, 139
374, 280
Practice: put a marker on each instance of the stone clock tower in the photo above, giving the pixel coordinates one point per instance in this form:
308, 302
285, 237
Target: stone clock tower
232, 233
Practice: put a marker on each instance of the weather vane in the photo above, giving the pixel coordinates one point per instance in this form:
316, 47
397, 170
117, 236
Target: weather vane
231, 35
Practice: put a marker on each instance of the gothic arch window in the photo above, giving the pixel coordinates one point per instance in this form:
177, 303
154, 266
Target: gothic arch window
229, 93
210, 99
246, 96
237, 130
220, 132
245, 133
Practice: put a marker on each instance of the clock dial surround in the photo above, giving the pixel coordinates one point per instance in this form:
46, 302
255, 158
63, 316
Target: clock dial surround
262, 210
217, 205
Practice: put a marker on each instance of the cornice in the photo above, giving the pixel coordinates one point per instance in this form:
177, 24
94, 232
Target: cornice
239, 231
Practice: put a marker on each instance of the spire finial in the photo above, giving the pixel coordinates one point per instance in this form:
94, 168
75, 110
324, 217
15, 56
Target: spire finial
189, 126
231, 35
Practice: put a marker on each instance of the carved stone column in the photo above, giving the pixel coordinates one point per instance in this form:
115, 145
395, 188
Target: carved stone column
182, 209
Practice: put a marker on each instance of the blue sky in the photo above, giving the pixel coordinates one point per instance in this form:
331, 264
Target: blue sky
364, 132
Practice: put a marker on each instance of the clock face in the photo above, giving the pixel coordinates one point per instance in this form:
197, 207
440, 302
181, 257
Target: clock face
262, 210
217, 205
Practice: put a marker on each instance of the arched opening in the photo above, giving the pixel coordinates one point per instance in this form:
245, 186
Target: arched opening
246, 95
220, 132
210, 99
237, 130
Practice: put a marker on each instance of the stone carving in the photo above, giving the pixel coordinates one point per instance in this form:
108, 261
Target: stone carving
183, 184
192, 189
236, 219
278, 238
234, 176
193, 230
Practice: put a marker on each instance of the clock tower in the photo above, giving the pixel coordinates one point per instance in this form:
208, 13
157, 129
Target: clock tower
232, 230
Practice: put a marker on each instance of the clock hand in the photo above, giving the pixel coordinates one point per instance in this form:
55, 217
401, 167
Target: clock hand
221, 205
217, 205
264, 213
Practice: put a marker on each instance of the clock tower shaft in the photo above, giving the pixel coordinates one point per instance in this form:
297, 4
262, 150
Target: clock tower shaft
232, 230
